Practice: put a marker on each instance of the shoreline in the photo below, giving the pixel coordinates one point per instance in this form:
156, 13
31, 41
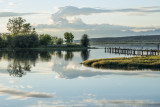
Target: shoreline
50, 48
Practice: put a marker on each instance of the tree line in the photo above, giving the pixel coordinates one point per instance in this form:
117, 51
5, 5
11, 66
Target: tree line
22, 35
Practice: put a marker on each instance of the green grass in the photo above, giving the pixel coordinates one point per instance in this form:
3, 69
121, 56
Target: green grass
131, 63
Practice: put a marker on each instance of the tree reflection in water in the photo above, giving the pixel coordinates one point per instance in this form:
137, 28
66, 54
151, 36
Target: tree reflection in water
85, 54
21, 61
69, 55
18, 70
59, 54
45, 55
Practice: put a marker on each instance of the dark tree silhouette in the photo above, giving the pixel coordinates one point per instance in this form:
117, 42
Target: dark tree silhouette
85, 40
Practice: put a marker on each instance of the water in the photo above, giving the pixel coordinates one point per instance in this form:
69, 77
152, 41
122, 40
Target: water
30, 78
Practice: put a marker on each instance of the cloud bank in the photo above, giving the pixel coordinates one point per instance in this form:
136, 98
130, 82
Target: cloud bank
68, 19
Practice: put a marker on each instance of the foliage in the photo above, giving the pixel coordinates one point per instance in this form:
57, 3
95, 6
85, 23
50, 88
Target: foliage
53, 39
17, 25
69, 37
132, 63
85, 40
45, 39
26, 28
1, 42
6, 40
59, 41
25, 41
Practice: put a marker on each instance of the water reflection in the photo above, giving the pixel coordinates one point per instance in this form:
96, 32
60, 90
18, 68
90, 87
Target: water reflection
85, 54
59, 54
21, 61
17, 70
69, 55
93, 102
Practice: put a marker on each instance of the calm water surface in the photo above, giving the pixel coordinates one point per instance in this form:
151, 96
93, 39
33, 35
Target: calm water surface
30, 78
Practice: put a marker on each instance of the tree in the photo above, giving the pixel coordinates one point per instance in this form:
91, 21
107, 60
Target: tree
66, 36
59, 41
69, 37
45, 39
1, 42
7, 40
54, 39
26, 28
85, 40
17, 25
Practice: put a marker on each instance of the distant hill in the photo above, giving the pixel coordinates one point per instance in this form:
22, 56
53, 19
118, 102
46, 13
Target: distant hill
128, 39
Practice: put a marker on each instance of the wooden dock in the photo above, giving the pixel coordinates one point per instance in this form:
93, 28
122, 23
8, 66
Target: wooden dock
138, 52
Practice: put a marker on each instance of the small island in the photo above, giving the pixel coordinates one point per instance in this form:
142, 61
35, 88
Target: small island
130, 63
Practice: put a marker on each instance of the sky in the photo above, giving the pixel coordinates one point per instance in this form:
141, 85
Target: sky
97, 18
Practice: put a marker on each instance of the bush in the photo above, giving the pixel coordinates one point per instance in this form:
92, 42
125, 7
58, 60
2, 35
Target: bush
25, 41
59, 41
45, 39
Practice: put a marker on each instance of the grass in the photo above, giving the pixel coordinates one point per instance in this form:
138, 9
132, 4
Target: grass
131, 63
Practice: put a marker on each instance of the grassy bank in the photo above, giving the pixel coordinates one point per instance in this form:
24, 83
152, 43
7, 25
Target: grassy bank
131, 63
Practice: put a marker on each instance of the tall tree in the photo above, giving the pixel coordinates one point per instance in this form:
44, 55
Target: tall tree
15, 25
18, 25
85, 40
26, 28
69, 37
66, 36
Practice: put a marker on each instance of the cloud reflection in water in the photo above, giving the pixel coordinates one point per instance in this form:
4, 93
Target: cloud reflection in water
22, 95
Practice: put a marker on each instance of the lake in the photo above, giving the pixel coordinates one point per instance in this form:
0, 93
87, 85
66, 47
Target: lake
36, 78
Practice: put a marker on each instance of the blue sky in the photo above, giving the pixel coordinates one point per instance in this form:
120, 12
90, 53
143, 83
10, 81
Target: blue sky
97, 18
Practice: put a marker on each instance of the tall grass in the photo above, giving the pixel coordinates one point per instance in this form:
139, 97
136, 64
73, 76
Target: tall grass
131, 63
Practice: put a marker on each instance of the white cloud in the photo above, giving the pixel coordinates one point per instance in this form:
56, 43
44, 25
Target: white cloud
68, 19
20, 94
12, 14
